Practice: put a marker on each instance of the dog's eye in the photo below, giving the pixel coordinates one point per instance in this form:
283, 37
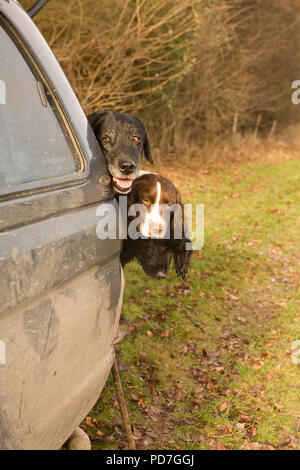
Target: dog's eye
145, 200
136, 138
106, 138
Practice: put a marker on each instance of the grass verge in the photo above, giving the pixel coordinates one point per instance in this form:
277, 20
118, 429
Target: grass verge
207, 363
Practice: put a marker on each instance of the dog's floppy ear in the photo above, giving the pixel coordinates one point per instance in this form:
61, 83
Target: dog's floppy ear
146, 143
147, 147
182, 258
181, 254
96, 118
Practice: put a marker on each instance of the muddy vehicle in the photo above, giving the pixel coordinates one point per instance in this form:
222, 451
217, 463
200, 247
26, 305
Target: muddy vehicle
61, 287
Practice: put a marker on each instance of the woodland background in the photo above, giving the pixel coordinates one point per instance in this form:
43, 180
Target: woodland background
194, 70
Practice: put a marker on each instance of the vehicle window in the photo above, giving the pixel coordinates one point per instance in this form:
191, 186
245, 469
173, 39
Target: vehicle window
34, 143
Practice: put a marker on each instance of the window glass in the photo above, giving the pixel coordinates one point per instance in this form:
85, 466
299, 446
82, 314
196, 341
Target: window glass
34, 143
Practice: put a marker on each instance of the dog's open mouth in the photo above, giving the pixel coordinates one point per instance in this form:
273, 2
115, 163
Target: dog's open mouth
122, 185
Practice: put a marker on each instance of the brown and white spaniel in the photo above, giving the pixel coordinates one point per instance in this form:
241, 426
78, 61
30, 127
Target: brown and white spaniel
161, 225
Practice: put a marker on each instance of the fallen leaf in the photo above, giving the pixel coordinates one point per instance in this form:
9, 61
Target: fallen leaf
223, 406
278, 406
139, 444
137, 433
245, 418
165, 334
90, 421
134, 397
226, 429
206, 378
204, 353
178, 385
240, 426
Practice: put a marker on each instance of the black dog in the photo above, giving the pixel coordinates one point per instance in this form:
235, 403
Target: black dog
123, 138
155, 254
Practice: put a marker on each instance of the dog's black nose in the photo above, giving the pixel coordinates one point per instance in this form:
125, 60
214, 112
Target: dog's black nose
127, 166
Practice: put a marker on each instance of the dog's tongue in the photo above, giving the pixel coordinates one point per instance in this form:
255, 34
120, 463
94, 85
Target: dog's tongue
125, 184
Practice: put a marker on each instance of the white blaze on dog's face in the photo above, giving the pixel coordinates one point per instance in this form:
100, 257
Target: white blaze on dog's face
154, 225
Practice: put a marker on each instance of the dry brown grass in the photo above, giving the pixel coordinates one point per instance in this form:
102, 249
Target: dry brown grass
179, 163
